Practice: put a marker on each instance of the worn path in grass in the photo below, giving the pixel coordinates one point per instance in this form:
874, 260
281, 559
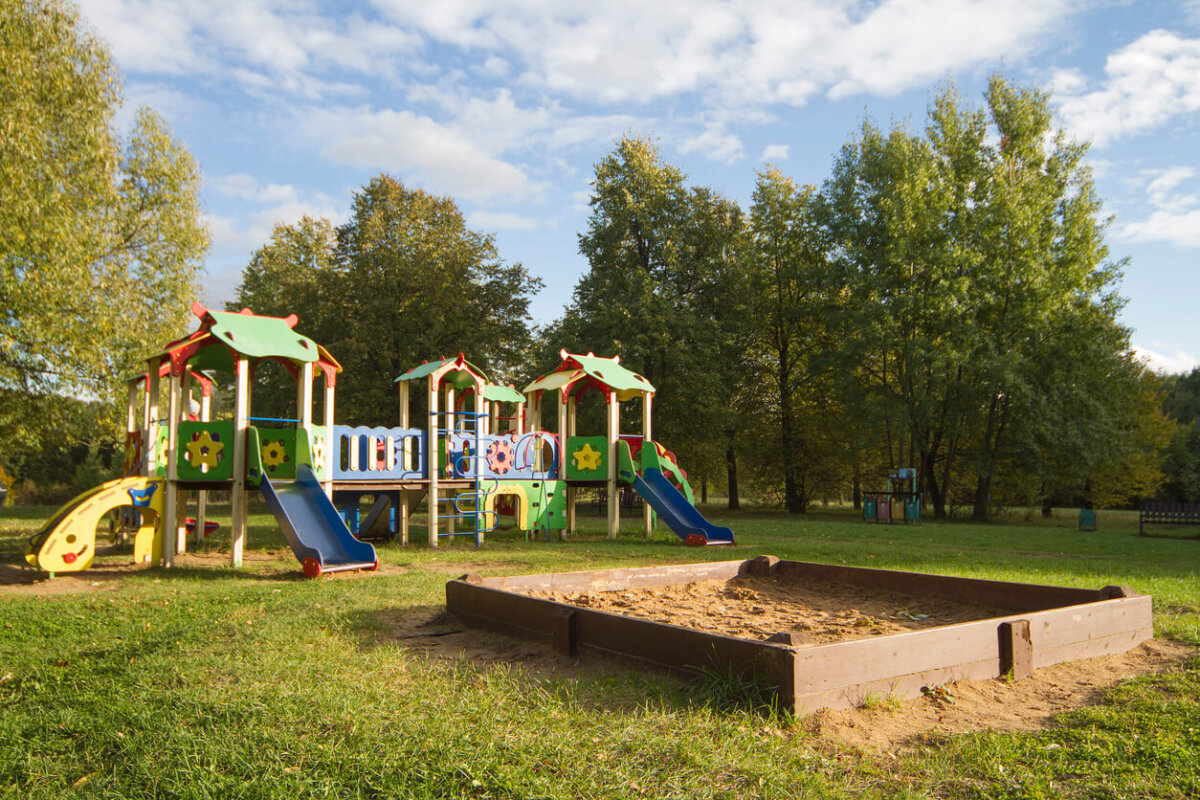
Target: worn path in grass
203, 682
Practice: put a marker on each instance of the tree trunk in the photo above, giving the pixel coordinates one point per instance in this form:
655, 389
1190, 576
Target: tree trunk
704, 489
791, 497
983, 493
934, 490
856, 491
731, 467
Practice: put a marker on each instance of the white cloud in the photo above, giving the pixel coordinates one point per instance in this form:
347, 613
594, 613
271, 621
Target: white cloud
775, 152
234, 239
1168, 362
716, 145
1148, 82
746, 53
500, 220
1178, 228
284, 45
1175, 217
444, 159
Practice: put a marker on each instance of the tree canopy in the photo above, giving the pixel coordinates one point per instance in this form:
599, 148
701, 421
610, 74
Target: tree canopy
660, 292
404, 280
101, 235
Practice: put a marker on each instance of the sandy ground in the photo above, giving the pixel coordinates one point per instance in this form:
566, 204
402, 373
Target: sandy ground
757, 608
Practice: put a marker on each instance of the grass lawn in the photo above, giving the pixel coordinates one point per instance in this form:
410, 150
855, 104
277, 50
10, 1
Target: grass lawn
214, 683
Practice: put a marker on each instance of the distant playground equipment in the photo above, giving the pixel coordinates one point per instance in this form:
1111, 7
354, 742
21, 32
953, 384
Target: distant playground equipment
900, 502
469, 463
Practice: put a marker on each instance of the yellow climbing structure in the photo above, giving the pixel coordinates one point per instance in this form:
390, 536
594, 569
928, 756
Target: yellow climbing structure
68, 542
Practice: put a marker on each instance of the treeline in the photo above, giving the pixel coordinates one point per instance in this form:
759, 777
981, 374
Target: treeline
945, 300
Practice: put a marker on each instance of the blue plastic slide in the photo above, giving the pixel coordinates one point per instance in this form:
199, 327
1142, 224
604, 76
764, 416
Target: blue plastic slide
313, 527
680, 515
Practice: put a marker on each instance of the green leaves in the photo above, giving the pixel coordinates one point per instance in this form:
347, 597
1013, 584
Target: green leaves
402, 282
978, 294
100, 239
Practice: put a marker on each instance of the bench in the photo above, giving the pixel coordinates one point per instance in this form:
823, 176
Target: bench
1156, 513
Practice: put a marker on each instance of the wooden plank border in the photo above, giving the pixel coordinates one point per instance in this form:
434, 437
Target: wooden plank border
1051, 625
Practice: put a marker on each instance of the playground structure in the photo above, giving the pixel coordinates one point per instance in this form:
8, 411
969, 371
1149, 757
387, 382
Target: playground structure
468, 462
899, 502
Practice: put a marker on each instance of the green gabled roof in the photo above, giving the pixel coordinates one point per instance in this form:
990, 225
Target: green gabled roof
603, 371
495, 393
224, 333
460, 378
262, 337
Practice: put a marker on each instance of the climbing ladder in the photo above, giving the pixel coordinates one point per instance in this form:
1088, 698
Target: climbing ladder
467, 503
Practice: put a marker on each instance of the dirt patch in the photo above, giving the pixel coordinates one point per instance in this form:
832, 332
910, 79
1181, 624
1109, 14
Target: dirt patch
18, 579
1024, 705
430, 632
758, 608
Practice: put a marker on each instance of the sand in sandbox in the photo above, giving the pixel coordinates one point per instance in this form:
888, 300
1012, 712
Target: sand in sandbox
758, 608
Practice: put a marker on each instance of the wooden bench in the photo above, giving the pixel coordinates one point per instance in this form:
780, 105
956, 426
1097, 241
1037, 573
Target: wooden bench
1156, 513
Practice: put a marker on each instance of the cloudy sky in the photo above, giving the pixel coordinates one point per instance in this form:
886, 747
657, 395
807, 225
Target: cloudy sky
506, 105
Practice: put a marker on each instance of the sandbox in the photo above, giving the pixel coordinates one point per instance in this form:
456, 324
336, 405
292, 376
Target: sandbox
893, 633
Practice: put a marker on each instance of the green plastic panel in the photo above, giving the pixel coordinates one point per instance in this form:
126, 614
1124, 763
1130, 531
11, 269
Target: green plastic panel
626, 471
277, 452
205, 451
158, 455
587, 458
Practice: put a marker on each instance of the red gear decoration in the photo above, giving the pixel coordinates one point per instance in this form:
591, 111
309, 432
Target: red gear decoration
500, 457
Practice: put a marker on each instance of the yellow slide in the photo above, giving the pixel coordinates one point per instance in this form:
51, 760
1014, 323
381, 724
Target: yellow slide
68, 542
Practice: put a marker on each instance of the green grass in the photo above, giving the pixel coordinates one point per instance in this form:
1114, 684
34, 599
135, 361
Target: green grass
214, 683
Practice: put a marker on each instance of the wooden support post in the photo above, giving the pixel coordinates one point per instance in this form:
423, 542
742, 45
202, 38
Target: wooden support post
451, 502
562, 446
433, 466
1016, 649
202, 495
304, 397
330, 437
614, 435
562, 435
562, 621
572, 410
647, 441
402, 516
150, 434
241, 429
481, 407
171, 496
131, 409
185, 409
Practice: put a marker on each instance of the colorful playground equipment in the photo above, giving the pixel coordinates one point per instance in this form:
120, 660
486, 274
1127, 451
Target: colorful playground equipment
469, 463
900, 502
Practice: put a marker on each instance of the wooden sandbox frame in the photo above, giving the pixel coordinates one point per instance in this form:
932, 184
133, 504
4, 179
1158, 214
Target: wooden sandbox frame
1049, 625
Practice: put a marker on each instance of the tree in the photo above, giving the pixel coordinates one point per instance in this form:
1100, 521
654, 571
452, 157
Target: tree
290, 274
979, 297
100, 237
662, 292
788, 387
402, 282
1181, 402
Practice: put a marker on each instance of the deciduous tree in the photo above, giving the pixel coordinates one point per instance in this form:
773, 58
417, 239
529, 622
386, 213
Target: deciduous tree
100, 235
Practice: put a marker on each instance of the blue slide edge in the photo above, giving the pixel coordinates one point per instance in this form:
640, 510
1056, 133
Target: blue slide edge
680, 515
312, 526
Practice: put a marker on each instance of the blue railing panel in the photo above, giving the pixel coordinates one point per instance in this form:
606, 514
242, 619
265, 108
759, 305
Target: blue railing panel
380, 454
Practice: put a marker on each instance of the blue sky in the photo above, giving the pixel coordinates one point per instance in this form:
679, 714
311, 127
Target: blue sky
506, 105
